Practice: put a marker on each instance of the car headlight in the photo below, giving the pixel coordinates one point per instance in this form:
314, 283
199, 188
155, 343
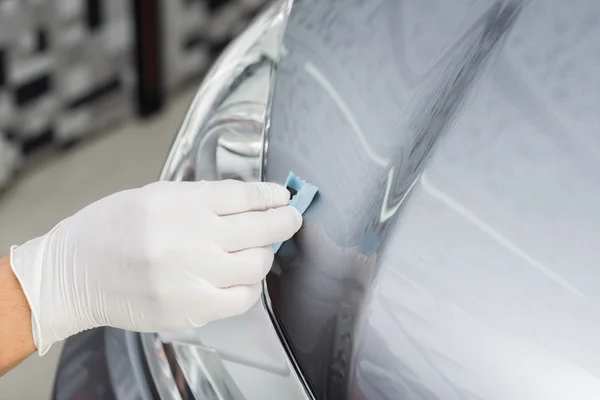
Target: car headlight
221, 137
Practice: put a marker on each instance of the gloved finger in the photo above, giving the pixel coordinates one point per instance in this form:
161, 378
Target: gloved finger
233, 197
251, 266
227, 302
246, 267
258, 229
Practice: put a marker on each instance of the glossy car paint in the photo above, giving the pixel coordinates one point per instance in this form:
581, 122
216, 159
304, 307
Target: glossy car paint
452, 252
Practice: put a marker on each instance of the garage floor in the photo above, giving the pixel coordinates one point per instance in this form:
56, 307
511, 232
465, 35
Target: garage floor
59, 185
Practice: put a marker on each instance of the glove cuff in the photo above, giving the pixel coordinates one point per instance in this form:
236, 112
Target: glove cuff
26, 266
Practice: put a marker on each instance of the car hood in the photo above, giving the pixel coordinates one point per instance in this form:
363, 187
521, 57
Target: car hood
452, 250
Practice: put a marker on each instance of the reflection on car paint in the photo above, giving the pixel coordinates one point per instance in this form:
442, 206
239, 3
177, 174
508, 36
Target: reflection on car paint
427, 126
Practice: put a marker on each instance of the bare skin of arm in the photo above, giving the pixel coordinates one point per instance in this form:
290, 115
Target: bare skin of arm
16, 340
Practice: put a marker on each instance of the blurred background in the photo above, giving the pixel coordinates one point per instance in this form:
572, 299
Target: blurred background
91, 95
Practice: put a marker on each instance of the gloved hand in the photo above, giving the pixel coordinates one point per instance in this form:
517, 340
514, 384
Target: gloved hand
164, 257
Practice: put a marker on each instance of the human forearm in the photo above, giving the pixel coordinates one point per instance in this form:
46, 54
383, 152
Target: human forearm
16, 340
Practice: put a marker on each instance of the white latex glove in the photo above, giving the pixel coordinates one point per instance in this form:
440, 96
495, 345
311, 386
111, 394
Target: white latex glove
164, 257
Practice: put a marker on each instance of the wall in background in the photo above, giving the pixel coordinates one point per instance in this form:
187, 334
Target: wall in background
69, 68
65, 71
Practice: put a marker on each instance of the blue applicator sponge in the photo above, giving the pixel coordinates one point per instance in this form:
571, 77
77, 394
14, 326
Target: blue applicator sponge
302, 193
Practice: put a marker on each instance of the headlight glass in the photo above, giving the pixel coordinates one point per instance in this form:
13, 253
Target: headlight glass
221, 137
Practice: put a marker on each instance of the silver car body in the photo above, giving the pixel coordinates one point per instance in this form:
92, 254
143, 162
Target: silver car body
453, 249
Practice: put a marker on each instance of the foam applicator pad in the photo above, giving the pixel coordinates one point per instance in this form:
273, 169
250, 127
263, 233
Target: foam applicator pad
302, 194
